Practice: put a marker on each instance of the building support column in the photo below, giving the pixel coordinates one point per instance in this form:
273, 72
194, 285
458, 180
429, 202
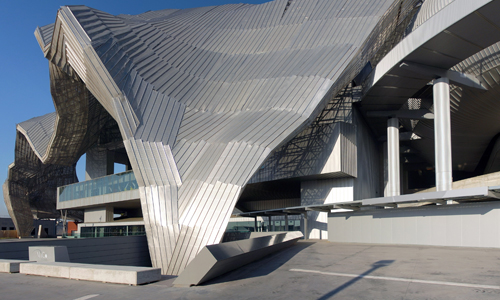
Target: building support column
306, 234
393, 183
286, 222
442, 134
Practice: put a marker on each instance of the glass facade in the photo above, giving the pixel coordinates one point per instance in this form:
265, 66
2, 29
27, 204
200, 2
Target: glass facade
101, 186
241, 228
105, 231
276, 225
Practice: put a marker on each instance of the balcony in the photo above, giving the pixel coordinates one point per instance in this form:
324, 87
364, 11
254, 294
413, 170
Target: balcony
116, 183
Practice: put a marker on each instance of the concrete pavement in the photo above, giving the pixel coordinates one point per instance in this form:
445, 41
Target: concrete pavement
308, 270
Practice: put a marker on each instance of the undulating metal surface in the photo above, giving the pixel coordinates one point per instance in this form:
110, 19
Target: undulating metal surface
44, 37
31, 186
47, 149
322, 150
429, 8
202, 96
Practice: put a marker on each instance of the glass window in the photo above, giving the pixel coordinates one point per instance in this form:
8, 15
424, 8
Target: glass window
105, 185
87, 232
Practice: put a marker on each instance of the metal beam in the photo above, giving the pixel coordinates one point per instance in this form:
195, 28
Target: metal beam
294, 211
403, 136
320, 209
461, 79
417, 114
342, 206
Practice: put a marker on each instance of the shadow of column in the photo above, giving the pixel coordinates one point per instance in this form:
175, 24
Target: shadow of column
375, 266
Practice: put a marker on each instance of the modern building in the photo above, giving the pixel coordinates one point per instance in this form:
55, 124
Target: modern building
6, 224
366, 121
49, 227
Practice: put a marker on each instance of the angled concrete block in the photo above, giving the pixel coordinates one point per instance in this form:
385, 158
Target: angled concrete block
215, 260
48, 254
115, 274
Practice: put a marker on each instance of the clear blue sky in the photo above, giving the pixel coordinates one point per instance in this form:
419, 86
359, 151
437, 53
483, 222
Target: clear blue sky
24, 75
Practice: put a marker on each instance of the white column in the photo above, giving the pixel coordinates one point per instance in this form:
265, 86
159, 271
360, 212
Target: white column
393, 183
442, 134
306, 228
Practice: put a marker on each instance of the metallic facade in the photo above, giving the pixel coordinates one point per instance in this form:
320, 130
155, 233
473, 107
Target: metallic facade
208, 100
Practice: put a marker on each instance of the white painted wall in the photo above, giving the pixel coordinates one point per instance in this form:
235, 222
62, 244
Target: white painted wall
469, 225
324, 192
98, 214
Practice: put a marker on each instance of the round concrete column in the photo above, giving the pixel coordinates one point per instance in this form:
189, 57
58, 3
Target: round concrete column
393, 182
442, 134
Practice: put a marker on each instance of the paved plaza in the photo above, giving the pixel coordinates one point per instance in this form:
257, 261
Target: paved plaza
309, 270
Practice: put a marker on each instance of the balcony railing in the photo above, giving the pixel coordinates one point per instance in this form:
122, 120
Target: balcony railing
100, 186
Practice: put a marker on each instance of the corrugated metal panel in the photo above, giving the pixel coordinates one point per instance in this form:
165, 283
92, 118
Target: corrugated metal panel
428, 9
221, 86
38, 131
366, 165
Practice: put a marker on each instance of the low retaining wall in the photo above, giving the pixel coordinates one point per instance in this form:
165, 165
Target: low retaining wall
474, 224
10, 266
103, 273
119, 250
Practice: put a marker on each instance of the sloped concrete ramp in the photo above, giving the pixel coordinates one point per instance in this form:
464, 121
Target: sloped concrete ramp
215, 260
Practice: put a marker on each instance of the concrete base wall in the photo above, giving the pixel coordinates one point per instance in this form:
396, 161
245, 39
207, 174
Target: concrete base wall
470, 225
91, 272
119, 250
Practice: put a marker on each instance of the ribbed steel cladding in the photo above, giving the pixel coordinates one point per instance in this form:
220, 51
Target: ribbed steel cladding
266, 53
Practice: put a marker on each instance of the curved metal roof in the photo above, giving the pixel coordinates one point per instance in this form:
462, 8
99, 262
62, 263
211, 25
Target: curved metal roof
202, 96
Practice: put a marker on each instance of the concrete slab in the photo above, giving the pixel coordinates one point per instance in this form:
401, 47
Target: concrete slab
59, 270
10, 265
103, 273
115, 274
422, 272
